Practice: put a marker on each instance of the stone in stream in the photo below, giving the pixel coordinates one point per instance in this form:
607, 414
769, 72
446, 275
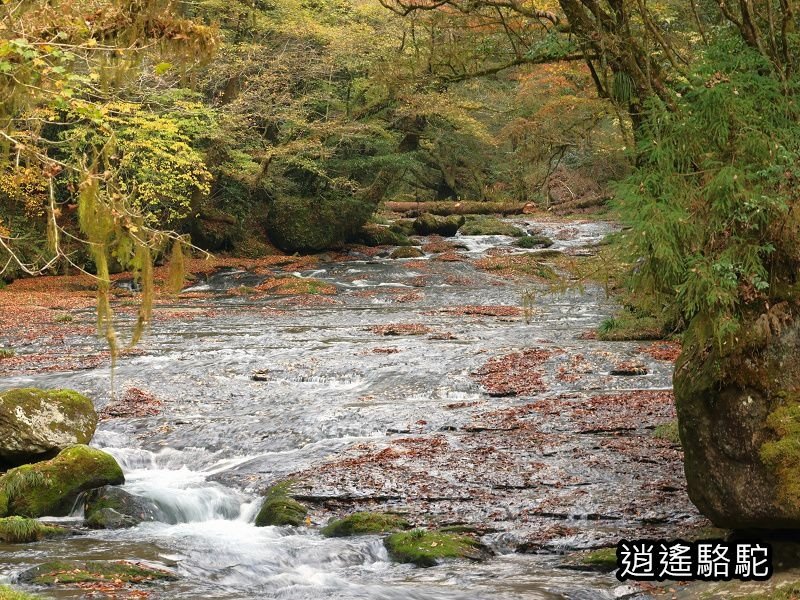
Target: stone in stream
429, 548
485, 225
50, 488
280, 509
364, 523
406, 252
428, 224
111, 507
629, 369
36, 424
739, 422
113, 573
535, 241
373, 234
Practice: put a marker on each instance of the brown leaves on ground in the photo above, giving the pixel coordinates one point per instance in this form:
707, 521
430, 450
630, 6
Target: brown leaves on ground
625, 411
485, 310
449, 256
517, 265
668, 351
401, 329
439, 246
294, 286
629, 368
308, 301
514, 374
134, 402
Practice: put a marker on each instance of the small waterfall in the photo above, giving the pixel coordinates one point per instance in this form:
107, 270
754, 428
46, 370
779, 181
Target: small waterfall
182, 494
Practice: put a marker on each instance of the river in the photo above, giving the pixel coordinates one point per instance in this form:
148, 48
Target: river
332, 393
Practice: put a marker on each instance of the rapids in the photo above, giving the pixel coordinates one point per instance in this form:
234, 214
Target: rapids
223, 437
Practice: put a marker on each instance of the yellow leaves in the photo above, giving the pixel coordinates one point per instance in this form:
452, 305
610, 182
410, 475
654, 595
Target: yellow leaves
27, 186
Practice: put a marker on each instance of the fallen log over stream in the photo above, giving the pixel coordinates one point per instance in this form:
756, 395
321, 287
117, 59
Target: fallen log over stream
444, 208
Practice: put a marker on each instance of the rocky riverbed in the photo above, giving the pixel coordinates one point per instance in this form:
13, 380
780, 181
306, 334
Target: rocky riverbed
457, 388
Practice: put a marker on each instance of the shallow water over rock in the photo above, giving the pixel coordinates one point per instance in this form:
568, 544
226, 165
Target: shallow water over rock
370, 399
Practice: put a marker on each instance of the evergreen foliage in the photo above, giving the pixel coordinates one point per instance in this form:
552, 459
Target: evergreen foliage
712, 204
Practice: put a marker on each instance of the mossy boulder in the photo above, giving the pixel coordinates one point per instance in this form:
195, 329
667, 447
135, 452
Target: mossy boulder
50, 488
603, 559
215, 230
428, 224
373, 234
298, 224
489, 226
739, 424
428, 548
36, 424
364, 523
406, 252
280, 509
403, 226
668, 432
111, 507
21, 530
67, 572
533, 241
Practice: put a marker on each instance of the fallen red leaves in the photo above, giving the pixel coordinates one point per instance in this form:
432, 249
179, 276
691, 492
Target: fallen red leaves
668, 351
401, 329
514, 374
485, 311
133, 403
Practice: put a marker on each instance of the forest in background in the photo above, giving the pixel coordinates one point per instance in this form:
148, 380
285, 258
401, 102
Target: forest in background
140, 128
286, 122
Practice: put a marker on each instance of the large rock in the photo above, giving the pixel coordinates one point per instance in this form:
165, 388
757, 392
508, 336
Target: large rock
373, 234
36, 424
428, 224
280, 509
50, 488
111, 507
739, 424
297, 224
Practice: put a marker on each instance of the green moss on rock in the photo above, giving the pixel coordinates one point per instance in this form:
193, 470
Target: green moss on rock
788, 591
20, 530
489, 226
297, 224
533, 241
50, 488
7, 593
428, 224
364, 523
280, 509
372, 234
428, 548
782, 455
407, 252
111, 507
35, 424
403, 226
603, 559
65, 572
668, 432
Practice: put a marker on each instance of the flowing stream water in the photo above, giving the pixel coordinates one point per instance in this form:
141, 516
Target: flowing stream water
223, 437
